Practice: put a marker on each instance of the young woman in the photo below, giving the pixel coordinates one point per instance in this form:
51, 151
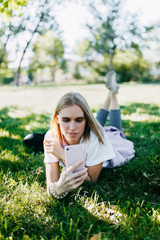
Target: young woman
74, 123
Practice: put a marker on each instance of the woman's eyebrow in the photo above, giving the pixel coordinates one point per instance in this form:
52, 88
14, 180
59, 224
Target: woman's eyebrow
75, 118
80, 117
65, 118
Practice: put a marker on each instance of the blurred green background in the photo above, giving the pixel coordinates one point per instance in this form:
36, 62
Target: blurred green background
33, 48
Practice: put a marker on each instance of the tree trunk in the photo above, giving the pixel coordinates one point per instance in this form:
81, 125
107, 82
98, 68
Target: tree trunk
110, 62
53, 74
4, 50
24, 51
17, 76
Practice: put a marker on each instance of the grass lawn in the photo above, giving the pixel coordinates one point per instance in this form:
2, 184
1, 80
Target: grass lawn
123, 204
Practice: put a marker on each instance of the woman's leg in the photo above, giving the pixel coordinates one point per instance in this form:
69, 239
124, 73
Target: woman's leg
34, 141
110, 106
115, 113
103, 112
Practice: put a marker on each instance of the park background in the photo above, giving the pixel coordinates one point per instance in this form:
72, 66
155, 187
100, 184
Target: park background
38, 64
79, 41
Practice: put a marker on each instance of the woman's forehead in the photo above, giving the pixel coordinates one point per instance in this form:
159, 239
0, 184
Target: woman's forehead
71, 111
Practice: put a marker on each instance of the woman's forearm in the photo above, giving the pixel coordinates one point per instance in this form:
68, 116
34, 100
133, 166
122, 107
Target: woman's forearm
52, 174
94, 172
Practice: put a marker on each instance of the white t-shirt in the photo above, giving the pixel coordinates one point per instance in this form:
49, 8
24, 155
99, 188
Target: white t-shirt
94, 151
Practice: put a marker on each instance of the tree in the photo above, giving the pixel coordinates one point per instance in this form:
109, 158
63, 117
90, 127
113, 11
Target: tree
7, 7
114, 29
43, 18
87, 63
136, 68
41, 13
8, 32
6, 74
48, 53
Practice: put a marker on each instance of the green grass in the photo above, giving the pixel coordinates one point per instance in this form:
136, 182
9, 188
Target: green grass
123, 204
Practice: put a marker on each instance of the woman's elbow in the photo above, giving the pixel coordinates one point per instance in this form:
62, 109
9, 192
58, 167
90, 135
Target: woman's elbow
94, 172
93, 178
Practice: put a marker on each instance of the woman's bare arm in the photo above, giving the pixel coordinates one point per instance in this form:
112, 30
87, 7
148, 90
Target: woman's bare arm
52, 173
67, 181
93, 172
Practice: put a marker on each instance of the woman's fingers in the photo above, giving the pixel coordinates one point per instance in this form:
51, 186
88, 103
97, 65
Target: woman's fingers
81, 178
48, 149
71, 176
78, 185
79, 181
49, 146
49, 143
74, 166
80, 173
71, 181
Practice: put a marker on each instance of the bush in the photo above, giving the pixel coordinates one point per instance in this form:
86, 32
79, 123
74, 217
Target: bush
131, 66
7, 80
150, 79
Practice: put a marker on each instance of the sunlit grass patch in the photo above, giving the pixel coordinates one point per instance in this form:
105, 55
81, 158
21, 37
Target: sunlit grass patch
17, 112
124, 218
24, 208
102, 210
141, 117
5, 133
141, 112
8, 155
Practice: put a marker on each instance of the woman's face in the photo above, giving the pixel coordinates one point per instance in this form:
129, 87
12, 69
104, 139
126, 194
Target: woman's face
72, 123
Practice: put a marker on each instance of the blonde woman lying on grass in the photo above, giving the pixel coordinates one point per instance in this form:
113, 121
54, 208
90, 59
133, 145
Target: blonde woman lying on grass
73, 123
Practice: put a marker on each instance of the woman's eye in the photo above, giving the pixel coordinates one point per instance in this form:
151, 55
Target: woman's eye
76, 120
65, 120
79, 120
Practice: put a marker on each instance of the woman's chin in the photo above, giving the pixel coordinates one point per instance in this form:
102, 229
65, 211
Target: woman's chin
73, 140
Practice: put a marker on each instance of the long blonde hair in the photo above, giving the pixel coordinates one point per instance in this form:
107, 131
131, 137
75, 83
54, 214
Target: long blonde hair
70, 99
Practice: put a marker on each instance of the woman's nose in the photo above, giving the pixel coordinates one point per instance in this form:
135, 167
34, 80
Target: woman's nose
72, 125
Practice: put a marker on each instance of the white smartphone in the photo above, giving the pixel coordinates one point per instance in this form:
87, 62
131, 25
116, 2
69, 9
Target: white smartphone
74, 154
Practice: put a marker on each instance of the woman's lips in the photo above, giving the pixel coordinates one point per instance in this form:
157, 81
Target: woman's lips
73, 134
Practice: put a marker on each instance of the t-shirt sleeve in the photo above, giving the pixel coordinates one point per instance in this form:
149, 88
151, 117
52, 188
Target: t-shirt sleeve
97, 152
49, 157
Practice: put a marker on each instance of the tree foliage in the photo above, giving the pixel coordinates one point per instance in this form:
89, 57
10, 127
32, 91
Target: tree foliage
37, 17
7, 7
130, 65
6, 74
48, 53
114, 29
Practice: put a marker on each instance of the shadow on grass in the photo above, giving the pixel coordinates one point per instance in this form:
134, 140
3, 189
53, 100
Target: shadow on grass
15, 157
17, 126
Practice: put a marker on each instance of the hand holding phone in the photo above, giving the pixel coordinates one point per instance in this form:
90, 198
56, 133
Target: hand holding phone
74, 154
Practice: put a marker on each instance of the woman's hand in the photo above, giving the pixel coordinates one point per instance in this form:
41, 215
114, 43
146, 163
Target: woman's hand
52, 146
69, 180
